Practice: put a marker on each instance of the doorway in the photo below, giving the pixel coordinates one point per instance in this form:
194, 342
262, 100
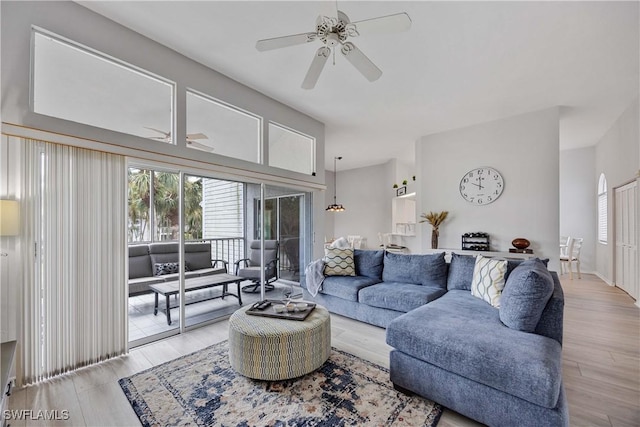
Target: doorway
284, 222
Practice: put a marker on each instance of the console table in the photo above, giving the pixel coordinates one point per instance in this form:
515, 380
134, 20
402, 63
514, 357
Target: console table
8, 362
488, 254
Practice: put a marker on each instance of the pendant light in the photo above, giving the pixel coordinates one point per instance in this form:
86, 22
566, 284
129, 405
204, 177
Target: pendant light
335, 207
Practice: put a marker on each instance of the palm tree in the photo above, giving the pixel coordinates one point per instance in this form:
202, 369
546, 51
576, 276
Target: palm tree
166, 205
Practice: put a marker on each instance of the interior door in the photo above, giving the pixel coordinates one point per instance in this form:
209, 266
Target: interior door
626, 249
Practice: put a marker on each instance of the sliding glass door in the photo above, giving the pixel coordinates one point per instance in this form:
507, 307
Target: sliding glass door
174, 275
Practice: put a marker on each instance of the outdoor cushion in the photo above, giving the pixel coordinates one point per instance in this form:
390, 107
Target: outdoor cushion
525, 295
464, 335
146, 280
428, 270
399, 296
346, 287
461, 271
139, 262
369, 263
197, 255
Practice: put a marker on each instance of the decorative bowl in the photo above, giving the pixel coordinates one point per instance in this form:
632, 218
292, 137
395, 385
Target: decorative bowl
279, 308
520, 243
302, 306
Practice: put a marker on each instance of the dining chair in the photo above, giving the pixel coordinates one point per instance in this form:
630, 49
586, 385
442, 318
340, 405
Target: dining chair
573, 256
564, 247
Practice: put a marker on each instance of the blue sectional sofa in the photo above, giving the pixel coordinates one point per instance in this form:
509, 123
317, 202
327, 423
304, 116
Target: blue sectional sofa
453, 347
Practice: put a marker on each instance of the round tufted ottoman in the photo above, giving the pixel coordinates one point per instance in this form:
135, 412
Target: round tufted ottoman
266, 348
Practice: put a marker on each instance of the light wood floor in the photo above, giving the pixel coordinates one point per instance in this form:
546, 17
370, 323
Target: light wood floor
601, 365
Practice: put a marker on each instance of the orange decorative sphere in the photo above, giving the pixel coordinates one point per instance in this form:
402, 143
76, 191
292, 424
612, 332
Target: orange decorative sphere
520, 243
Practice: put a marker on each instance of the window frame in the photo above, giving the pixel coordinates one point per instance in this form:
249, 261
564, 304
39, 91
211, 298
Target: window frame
312, 160
107, 58
602, 210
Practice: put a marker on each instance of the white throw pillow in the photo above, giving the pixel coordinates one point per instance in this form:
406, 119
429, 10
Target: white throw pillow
489, 279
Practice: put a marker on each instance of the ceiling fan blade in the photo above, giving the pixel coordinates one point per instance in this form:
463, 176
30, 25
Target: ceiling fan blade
328, 9
286, 41
361, 62
316, 67
197, 136
199, 146
158, 130
383, 24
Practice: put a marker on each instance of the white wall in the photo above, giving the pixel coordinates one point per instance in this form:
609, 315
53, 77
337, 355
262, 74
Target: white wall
366, 195
618, 157
525, 150
578, 201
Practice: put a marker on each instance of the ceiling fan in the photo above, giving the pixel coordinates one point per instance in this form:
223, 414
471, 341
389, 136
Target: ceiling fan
191, 139
333, 32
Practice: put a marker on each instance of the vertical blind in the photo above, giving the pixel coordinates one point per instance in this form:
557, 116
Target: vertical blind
74, 298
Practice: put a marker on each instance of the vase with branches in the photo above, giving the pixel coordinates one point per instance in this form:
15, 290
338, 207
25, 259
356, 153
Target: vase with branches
435, 219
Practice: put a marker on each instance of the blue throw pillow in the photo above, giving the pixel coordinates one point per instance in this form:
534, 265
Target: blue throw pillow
425, 270
461, 272
513, 263
369, 263
525, 295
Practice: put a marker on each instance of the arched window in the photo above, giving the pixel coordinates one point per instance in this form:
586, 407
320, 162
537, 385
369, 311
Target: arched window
602, 209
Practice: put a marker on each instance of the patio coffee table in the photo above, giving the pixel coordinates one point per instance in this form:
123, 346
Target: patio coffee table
193, 284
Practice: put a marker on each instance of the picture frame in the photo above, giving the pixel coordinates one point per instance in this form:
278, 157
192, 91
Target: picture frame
401, 191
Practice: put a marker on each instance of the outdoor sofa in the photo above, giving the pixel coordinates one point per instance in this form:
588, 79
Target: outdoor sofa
158, 262
455, 348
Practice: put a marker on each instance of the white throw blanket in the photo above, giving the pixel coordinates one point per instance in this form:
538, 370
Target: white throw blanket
314, 273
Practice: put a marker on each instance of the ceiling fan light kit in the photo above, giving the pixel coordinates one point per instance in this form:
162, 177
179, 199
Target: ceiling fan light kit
333, 32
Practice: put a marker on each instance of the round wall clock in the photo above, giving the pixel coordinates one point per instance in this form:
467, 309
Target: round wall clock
481, 186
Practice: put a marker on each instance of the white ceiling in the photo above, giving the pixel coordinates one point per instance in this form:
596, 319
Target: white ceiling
461, 63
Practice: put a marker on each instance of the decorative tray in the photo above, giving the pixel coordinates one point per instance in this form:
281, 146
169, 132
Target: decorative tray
289, 315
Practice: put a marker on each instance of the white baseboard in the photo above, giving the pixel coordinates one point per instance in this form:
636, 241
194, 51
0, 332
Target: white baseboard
604, 279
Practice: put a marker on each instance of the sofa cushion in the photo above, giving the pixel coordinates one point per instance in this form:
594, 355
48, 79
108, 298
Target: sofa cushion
488, 279
461, 271
197, 255
150, 280
339, 262
464, 335
427, 270
399, 296
369, 263
139, 262
346, 287
525, 295
163, 252
513, 263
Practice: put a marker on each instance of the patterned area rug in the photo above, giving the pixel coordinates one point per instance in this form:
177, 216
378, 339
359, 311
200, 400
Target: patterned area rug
203, 389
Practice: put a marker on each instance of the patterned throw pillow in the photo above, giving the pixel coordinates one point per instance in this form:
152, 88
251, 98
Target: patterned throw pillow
489, 279
160, 269
339, 262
